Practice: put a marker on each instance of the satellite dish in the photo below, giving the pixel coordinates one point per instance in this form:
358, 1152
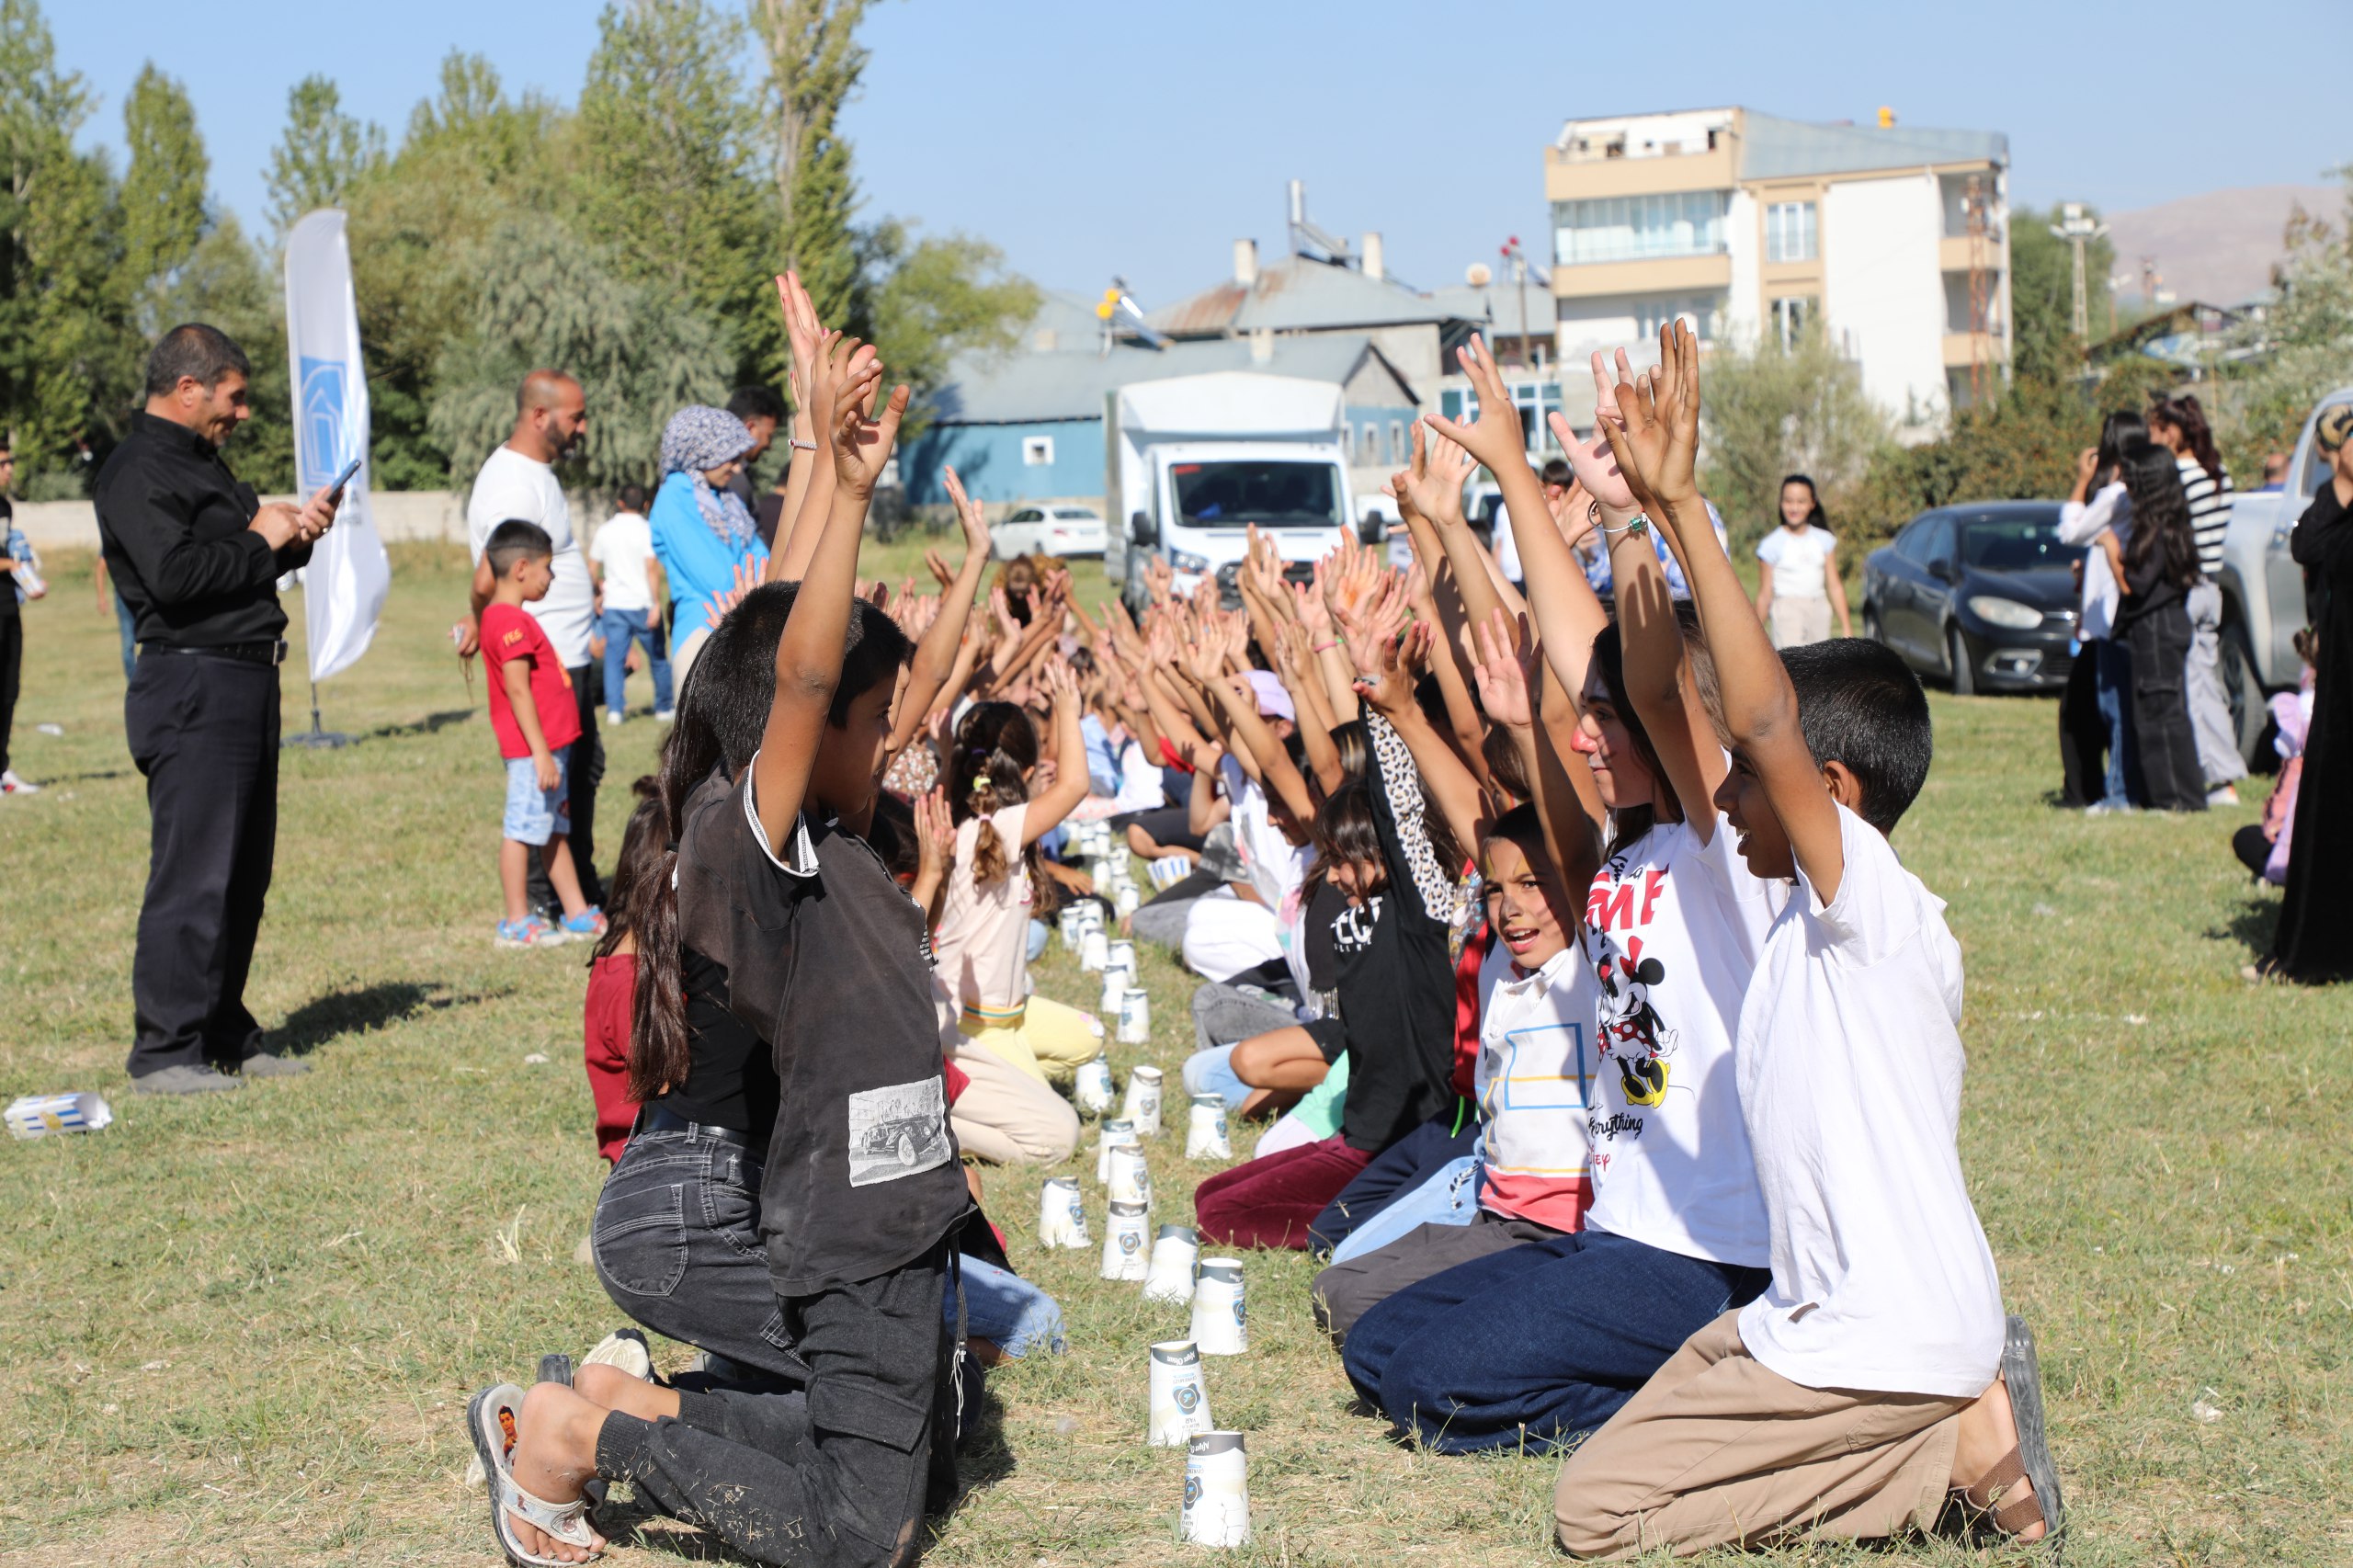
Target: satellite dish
1478, 275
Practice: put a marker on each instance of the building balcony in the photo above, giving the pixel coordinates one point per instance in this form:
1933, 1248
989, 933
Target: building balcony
1571, 177
1952, 252
1958, 354
1648, 275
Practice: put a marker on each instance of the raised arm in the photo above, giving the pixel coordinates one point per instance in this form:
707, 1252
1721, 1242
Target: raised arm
1568, 806
809, 654
937, 654
1069, 788
804, 333
1655, 442
1390, 662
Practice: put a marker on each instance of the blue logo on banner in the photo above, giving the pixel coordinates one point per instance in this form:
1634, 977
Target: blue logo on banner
319, 435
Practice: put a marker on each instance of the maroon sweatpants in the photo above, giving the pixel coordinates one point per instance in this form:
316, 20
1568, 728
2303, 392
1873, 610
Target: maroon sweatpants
1270, 1203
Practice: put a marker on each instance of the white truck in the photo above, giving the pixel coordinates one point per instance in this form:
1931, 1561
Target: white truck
2263, 588
1190, 462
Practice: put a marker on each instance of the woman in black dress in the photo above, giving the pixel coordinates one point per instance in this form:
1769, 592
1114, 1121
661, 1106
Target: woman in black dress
2315, 942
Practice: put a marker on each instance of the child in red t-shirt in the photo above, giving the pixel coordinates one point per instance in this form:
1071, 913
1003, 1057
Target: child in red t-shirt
534, 716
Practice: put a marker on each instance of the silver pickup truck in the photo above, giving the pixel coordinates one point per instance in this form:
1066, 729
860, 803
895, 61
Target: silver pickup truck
2262, 589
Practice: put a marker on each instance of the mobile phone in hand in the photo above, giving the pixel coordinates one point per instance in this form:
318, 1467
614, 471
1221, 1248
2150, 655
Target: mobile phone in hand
335, 491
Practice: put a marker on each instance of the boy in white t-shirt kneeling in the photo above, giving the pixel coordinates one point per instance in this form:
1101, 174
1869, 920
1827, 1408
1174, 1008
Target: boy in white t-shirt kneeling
1875, 1388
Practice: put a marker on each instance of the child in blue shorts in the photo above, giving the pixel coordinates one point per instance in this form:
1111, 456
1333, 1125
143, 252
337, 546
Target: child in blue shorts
534, 716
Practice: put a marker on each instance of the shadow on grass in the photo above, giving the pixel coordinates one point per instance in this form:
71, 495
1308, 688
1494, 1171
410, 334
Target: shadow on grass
2253, 926
431, 724
356, 1011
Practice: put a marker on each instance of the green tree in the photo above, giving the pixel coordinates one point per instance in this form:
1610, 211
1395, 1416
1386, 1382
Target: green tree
163, 193
2304, 344
2043, 295
814, 63
225, 281
1773, 410
666, 180
64, 384
321, 154
537, 296
930, 300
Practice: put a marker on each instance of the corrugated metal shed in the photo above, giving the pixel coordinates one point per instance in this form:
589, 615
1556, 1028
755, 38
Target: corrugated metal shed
1774, 148
1022, 387
1297, 295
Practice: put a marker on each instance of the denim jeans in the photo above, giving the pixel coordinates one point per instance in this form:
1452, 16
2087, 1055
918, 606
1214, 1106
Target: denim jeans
1535, 1346
619, 627
677, 1242
833, 1477
2114, 663
1007, 1310
1447, 1196
1399, 1169
128, 624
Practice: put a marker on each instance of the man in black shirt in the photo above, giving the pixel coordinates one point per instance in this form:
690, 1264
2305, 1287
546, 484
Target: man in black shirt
197, 557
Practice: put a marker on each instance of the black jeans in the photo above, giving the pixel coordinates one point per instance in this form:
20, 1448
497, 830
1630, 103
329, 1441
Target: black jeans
2170, 771
584, 763
834, 1477
677, 1242
2083, 734
204, 731
12, 666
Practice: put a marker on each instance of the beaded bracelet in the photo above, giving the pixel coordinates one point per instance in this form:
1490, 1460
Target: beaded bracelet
1638, 527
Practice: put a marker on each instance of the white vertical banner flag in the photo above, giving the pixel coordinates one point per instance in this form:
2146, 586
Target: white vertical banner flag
344, 586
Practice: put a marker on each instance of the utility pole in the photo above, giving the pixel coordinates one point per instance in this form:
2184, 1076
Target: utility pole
2078, 228
1973, 205
1517, 257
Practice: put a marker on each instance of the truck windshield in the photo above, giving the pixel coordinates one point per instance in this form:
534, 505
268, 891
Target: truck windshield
1271, 494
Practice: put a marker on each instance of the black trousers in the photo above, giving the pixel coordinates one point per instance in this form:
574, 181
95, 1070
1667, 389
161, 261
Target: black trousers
12, 667
584, 763
2083, 734
834, 1477
204, 731
2161, 730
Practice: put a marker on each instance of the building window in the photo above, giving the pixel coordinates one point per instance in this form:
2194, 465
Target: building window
1399, 451
1656, 310
1790, 316
1631, 228
1789, 232
1369, 444
1037, 451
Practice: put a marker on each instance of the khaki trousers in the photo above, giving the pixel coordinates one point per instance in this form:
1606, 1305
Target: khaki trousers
1006, 1116
1799, 620
1717, 1449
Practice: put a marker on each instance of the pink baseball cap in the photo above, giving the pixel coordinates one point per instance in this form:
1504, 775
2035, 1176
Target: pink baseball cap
1274, 702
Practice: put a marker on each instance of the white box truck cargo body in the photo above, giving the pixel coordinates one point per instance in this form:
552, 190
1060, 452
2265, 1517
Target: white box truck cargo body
1193, 460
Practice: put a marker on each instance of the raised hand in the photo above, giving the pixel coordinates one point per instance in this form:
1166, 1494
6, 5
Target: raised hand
1396, 667
862, 434
1159, 578
935, 835
1311, 603
747, 578
803, 332
1061, 682
1505, 674
1373, 621
968, 513
998, 607
1655, 437
1494, 437
1434, 481
936, 564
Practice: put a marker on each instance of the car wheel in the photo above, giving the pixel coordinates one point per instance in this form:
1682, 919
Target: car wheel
1870, 624
906, 1149
2241, 688
1964, 676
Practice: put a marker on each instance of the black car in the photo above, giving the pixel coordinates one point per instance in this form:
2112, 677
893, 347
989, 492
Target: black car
1981, 594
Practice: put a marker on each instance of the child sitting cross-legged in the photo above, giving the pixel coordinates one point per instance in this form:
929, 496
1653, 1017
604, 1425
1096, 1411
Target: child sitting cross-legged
1875, 1380
535, 718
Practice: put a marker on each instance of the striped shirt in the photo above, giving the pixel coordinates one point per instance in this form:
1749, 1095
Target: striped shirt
2210, 513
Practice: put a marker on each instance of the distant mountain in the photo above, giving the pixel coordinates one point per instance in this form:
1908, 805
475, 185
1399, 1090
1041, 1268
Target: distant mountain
2218, 248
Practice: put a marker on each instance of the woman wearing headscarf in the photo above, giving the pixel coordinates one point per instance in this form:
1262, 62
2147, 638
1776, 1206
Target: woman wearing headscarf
2315, 942
702, 532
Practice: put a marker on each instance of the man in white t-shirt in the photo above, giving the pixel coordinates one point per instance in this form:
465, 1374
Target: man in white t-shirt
1876, 1377
631, 587
518, 481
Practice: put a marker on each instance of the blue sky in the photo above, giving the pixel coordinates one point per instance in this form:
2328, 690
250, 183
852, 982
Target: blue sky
1088, 140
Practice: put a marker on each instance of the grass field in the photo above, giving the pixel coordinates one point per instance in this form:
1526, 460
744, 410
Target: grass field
241, 1330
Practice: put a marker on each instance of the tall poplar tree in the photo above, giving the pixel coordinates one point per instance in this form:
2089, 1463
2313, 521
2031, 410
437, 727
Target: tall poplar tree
319, 156
163, 193
814, 63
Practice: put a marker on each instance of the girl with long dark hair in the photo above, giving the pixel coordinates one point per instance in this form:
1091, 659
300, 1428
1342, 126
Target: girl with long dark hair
2179, 425
2157, 566
2096, 714
1800, 585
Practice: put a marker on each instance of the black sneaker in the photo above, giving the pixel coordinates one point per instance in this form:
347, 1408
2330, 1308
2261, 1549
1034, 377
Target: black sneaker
184, 1081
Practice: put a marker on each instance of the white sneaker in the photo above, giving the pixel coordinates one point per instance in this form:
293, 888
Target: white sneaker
2223, 795
664, 715
611, 718
12, 785
2115, 805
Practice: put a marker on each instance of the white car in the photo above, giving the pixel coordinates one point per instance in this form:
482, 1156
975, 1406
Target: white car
1055, 530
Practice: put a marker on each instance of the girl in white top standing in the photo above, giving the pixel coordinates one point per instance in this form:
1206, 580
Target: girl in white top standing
2097, 504
1800, 585
981, 953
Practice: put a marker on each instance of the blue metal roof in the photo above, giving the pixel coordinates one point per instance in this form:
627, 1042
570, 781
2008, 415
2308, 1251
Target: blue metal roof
1774, 148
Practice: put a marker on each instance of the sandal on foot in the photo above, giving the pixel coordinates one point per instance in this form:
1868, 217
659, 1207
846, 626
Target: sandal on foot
625, 1348
490, 1420
2029, 1460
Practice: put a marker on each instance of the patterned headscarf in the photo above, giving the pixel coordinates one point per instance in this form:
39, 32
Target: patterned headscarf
699, 437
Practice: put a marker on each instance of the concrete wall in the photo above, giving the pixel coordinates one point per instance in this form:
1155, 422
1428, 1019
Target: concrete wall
1884, 295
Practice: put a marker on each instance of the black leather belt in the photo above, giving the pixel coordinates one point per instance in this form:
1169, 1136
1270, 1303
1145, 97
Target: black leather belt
244, 652
661, 1118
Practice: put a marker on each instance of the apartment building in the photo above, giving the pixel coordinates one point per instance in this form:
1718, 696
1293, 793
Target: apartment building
1894, 237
